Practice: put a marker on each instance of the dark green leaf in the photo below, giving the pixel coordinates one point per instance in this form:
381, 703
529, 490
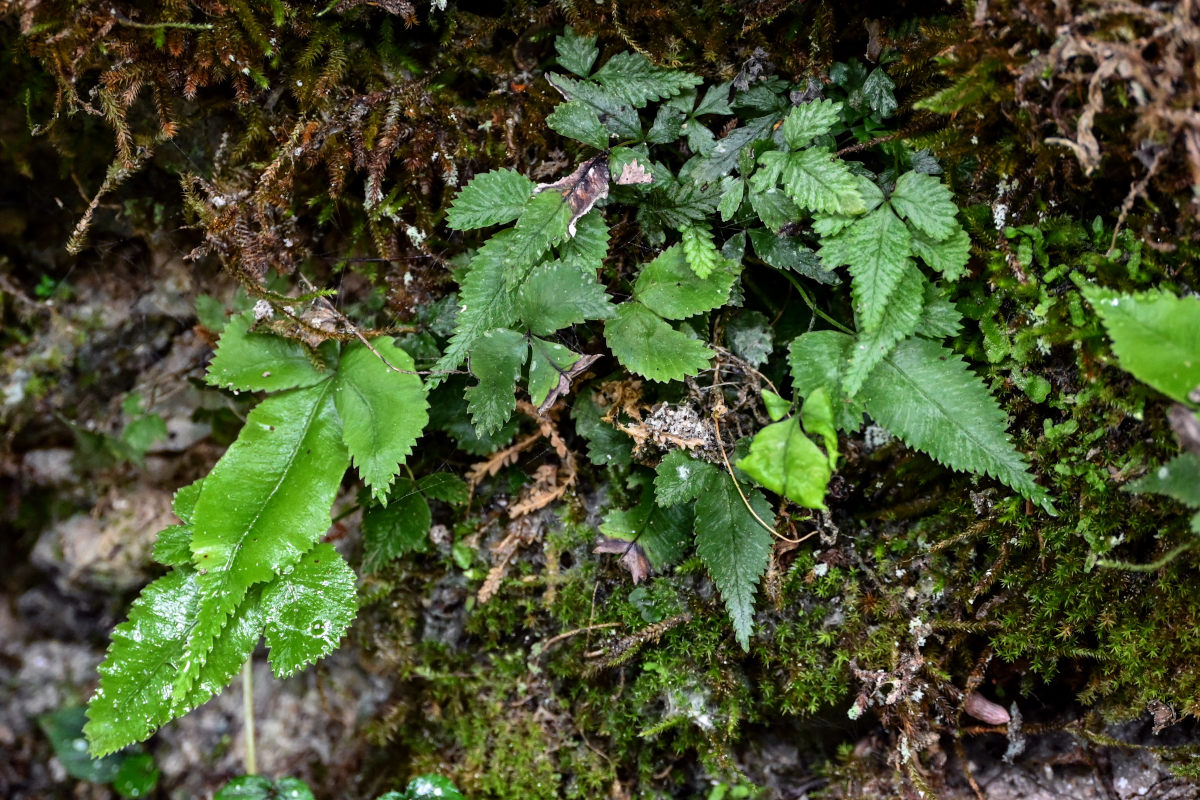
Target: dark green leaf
576, 53
787, 252
927, 203
399, 528
901, 315
64, 729
680, 478
445, 486
496, 360
948, 256
549, 366
774, 208
734, 547
810, 120
750, 337
662, 533
1179, 478
879, 90
634, 80
431, 787
137, 777
558, 295
577, 120
816, 361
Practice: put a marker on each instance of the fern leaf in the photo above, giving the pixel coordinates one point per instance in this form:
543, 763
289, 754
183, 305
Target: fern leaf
496, 360
264, 503
819, 182
382, 411
900, 319
876, 249
485, 304
260, 362
926, 202
634, 80
810, 120
734, 547
702, 255
493, 198
925, 394
948, 256
307, 611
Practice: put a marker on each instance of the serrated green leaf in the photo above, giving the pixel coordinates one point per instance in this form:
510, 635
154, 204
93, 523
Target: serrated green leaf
1179, 479
399, 528
876, 250
788, 252
445, 486
702, 255
732, 191
634, 80
558, 295
576, 53
810, 120
588, 247
308, 609
671, 289
383, 412
577, 120
925, 394
949, 256
818, 181
939, 317
493, 198
173, 547
774, 208
734, 547
544, 222
901, 315
1155, 336
879, 90
619, 117
680, 478
647, 345
548, 364
816, 361
260, 362
496, 360
788, 463
256, 787
134, 697
484, 303
137, 776
263, 504
607, 446
184, 501
927, 203
667, 126
662, 533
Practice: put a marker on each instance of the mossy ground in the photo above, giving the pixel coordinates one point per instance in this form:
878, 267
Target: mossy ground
920, 586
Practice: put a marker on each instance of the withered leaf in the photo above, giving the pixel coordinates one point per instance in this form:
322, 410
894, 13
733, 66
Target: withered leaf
564, 380
1186, 426
633, 558
583, 188
634, 173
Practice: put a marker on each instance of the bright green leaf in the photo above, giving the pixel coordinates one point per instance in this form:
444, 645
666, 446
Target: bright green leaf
949, 256
787, 462
732, 191
558, 295
669, 287
173, 547
901, 315
577, 120
260, 362
818, 181
816, 414
307, 610
810, 120
548, 366
492, 198
876, 250
927, 203
634, 80
382, 411
1156, 337
777, 407
816, 361
701, 252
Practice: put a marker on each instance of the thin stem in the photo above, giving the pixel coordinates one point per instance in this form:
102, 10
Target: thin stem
248, 715
808, 301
